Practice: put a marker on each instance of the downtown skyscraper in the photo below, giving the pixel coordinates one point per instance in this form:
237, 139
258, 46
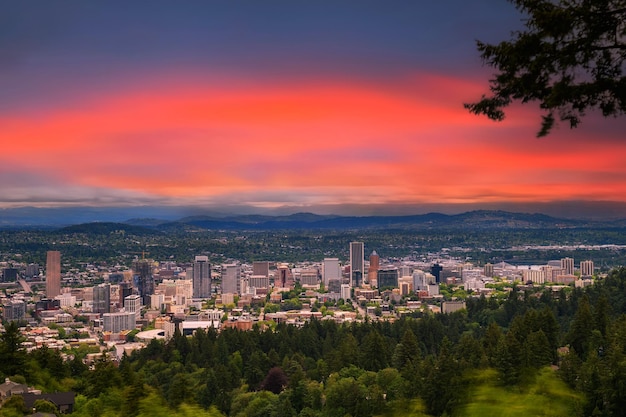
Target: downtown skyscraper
53, 273
357, 263
101, 299
144, 280
231, 279
372, 272
201, 277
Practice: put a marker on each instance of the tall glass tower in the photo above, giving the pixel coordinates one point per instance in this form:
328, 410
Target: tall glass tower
201, 280
357, 263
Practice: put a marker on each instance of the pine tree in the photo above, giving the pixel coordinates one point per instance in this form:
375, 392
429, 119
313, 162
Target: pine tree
581, 328
11, 351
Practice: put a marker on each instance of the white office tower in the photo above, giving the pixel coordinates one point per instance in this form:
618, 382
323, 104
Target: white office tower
201, 277
157, 301
117, 322
231, 276
567, 264
132, 304
346, 291
586, 268
357, 263
420, 281
331, 270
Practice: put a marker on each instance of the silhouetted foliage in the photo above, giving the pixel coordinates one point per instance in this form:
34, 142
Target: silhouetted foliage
569, 59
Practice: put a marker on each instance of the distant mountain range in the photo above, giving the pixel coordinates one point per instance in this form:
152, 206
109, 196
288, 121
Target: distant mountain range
474, 220
105, 220
66, 216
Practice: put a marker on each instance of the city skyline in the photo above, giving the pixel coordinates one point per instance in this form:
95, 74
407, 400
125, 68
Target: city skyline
320, 107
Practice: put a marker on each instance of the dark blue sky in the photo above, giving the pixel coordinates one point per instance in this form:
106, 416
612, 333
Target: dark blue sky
52, 47
276, 103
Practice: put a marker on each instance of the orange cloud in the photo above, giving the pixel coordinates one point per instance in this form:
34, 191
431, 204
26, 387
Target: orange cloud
334, 141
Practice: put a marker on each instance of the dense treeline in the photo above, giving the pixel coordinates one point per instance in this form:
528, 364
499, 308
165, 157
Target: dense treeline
121, 246
566, 349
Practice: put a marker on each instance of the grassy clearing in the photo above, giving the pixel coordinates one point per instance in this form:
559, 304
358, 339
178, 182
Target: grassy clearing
545, 396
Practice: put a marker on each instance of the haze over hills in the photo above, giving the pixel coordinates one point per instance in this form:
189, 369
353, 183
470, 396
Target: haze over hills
474, 220
563, 214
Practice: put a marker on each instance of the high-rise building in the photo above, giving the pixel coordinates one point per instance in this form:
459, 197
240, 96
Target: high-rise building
388, 277
567, 264
488, 270
553, 272
231, 279
331, 270
309, 277
334, 285
53, 273
372, 272
9, 274
32, 270
125, 290
586, 268
421, 280
436, 271
116, 322
132, 304
261, 268
102, 299
284, 278
346, 291
184, 291
14, 310
404, 271
357, 263
201, 277
66, 300
144, 280
157, 301
258, 281
536, 276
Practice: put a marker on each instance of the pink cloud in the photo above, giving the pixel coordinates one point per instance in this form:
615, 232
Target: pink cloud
404, 141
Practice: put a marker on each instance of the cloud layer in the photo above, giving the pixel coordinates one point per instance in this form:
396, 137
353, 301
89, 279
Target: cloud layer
208, 105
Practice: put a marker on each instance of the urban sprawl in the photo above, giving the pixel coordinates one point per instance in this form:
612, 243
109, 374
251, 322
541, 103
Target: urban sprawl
118, 309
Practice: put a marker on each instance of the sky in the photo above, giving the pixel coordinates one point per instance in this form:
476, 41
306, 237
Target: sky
310, 105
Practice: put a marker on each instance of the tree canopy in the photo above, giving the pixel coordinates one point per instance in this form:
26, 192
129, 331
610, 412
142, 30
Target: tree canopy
569, 59
494, 358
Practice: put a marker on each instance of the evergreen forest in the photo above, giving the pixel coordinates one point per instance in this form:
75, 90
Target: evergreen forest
537, 352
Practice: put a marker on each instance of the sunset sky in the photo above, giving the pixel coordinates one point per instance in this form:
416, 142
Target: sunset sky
277, 103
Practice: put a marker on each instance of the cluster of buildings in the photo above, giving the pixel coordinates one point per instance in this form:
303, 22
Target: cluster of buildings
165, 296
